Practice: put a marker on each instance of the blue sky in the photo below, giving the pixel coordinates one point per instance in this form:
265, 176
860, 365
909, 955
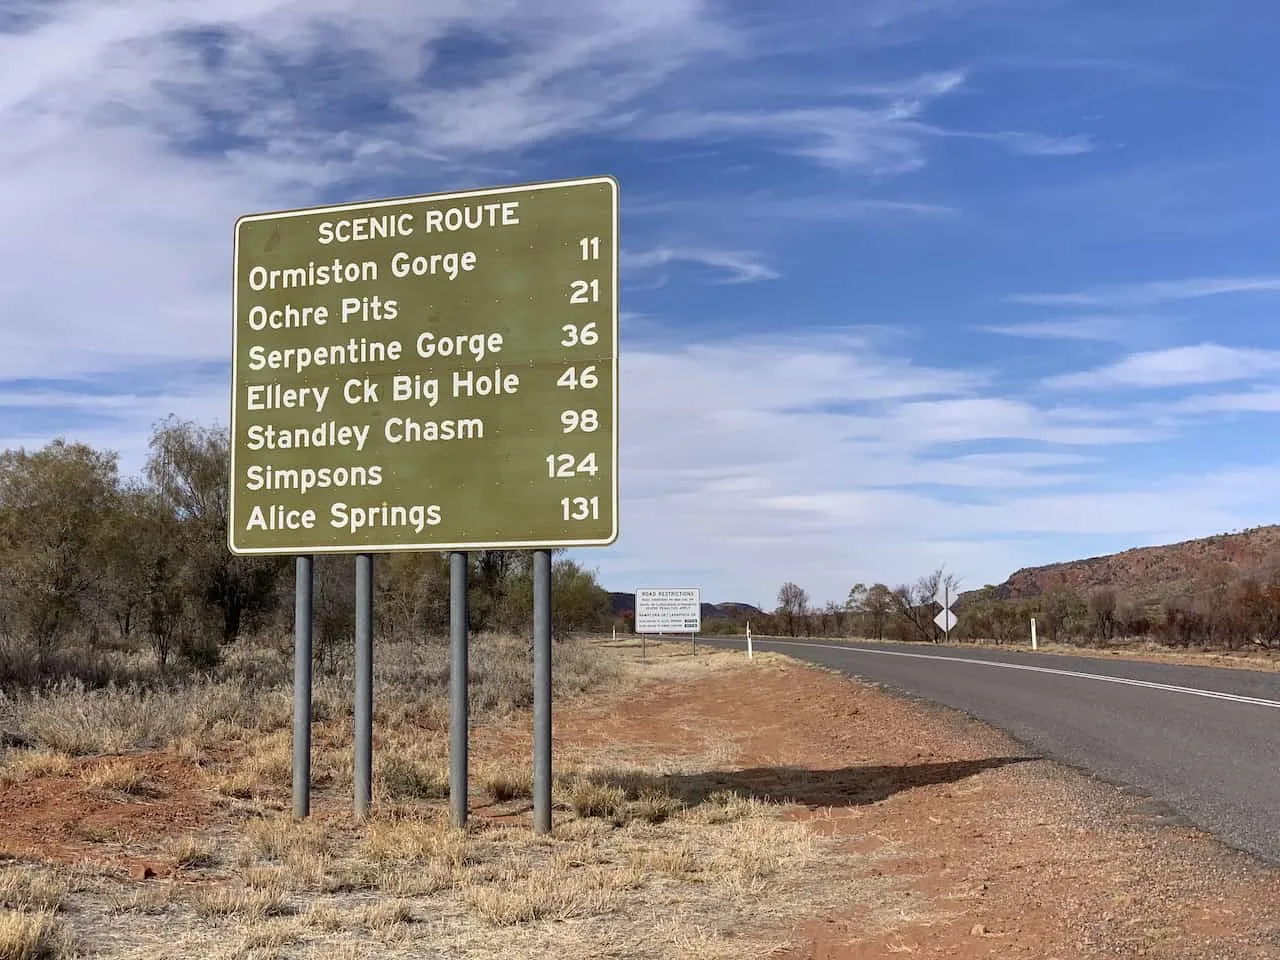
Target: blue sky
982, 283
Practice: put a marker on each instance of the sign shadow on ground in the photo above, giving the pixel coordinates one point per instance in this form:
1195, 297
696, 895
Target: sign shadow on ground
841, 787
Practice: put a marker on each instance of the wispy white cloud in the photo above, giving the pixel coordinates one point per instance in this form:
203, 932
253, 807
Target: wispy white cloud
1259, 400
1101, 328
1154, 292
829, 460
1176, 367
118, 419
804, 208
884, 135
925, 87
736, 266
995, 418
136, 133
1039, 144
874, 140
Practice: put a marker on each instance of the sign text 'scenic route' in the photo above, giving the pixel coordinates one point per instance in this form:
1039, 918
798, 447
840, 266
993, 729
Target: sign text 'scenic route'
436, 372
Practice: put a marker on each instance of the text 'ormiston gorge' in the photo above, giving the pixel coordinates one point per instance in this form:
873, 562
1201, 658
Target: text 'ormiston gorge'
434, 372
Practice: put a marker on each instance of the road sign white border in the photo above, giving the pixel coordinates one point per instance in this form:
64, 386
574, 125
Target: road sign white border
389, 202
636, 609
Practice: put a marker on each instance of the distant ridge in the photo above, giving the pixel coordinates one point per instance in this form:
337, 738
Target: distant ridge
624, 605
1152, 574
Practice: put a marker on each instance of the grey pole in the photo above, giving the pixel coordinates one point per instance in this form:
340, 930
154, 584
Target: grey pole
459, 623
302, 687
364, 685
542, 691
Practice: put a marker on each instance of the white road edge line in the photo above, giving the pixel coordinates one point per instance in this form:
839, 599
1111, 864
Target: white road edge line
1151, 685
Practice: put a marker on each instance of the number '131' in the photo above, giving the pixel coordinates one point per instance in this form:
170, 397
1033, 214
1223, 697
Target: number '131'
580, 508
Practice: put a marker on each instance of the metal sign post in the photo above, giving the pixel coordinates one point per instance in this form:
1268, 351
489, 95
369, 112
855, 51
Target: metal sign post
302, 607
435, 372
542, 691
459, 668
946, 618
364, 685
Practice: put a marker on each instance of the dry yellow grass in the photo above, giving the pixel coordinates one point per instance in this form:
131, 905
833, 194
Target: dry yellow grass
624, 848
591, 799
26, 888
267, 936
241, 784
193, 853
676, 860
594, 882
397, 777
326, 916
283, 838
655, 806
151, 900
416, 841
31, 764
424, 880
344, 951
505, 783
33, 936
240, 902
114, 777
512, 899
270, 767
726, 806
385, 914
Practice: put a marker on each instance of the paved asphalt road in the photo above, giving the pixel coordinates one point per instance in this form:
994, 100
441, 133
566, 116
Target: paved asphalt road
1210, 751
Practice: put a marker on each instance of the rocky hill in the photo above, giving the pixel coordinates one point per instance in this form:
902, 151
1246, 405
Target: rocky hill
1147, 574
624, 605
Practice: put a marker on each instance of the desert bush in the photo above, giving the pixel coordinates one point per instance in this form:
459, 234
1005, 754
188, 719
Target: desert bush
96, 571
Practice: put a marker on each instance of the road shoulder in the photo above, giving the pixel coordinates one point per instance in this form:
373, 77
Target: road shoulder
992, 852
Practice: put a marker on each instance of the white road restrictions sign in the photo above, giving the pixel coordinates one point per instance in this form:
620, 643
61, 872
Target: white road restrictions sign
668, 610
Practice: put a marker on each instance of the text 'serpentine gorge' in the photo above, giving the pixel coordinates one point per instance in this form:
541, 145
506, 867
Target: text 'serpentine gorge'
368, 341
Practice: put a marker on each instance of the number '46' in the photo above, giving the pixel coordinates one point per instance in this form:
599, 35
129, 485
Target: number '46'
572, 379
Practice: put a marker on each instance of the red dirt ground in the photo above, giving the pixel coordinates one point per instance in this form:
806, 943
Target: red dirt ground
1027, 858
1003, 856
53, 819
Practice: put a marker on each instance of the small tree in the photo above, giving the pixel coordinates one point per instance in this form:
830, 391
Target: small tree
163, 607
793, 605
913, 613
876, 607
833, 617
52, 508
188, 468
1102, 612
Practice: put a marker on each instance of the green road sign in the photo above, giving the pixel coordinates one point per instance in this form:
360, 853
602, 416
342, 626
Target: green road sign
434, 372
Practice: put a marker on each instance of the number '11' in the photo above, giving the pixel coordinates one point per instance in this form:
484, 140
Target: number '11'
590, 248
